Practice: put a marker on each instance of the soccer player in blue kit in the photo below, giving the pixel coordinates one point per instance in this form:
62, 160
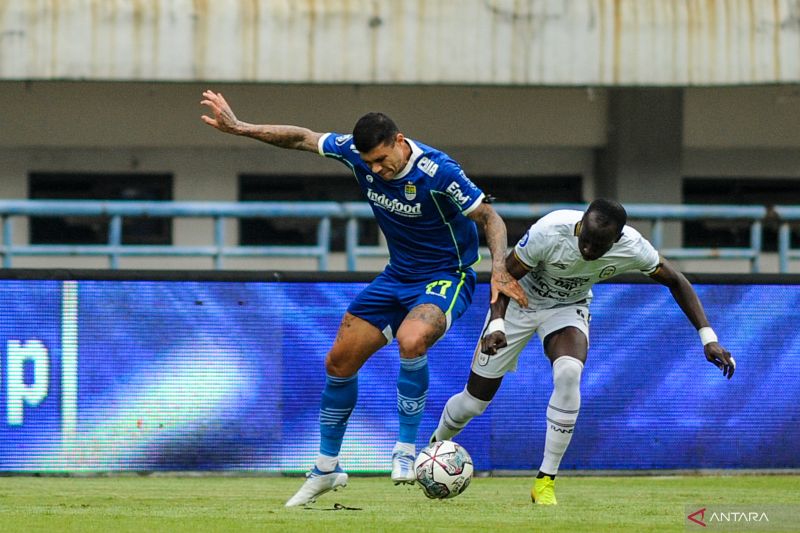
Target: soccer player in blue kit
427, 209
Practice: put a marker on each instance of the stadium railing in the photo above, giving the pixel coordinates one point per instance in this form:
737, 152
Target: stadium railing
656, 214
786, 215
352, 213
218, 211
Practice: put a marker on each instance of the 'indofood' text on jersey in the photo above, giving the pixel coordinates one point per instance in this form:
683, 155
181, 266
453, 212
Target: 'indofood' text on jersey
560, 275
421, 211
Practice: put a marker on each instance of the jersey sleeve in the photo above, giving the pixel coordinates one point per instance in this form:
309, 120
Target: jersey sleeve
530, 249
455, 183
337, 146
647, 258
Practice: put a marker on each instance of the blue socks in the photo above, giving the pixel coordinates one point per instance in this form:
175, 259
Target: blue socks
338, 400
412, 390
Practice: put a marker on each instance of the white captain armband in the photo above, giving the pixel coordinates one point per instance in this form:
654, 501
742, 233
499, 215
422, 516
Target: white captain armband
707, 335
498, 324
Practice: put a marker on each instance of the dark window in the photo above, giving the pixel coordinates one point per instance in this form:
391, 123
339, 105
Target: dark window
299, 188
736, 191
529, 190
99, 186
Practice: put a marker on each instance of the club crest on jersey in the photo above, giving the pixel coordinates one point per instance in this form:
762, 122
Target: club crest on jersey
410, 191
608, 271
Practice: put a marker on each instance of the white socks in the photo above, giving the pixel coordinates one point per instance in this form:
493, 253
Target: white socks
562, 411
405, 447
325, 463
459, 410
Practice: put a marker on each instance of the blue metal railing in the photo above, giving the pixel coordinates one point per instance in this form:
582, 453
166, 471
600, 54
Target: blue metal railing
352, 212
786, 215
657, 214
218, 211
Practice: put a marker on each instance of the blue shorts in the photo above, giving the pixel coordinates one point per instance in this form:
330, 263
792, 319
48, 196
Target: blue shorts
386, 301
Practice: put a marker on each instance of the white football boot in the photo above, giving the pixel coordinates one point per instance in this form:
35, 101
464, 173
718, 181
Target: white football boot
403, 467
316, 484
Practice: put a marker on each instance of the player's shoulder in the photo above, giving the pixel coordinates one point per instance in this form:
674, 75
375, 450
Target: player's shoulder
633, 243
432, 160
559, 222
427, 150
631, 237
337, 144
442, 172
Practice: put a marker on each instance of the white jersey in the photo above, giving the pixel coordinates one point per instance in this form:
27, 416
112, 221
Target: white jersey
560, 275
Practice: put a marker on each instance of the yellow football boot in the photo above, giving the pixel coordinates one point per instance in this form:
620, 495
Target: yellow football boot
544, 491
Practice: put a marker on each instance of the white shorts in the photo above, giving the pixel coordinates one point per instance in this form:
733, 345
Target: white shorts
520, 325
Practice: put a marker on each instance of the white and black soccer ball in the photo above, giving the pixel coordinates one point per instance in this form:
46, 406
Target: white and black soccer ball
443, 469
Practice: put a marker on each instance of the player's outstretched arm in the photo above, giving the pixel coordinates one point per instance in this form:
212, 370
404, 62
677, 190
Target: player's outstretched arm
292, 137
687, 299
496, 238
494, 337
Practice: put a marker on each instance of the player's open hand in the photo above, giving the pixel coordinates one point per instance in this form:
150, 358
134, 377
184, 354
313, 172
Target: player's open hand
504, 282
721, 358
224, 119
492, 342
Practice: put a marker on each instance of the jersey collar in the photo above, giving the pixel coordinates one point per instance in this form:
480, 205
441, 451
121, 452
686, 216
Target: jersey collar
416, 151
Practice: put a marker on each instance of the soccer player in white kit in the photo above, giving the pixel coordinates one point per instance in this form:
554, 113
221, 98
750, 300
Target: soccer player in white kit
557, 261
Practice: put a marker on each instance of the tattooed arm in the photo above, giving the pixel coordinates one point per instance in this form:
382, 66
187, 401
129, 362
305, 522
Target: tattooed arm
292, 137
495, 230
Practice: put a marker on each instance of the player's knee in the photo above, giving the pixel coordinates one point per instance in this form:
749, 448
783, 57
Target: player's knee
411, 345
567, 373
339, 367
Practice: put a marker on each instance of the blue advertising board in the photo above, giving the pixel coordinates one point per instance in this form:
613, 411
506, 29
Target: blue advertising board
116, 375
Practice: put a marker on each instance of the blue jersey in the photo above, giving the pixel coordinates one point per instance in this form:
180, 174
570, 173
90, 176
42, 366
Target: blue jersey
422, 211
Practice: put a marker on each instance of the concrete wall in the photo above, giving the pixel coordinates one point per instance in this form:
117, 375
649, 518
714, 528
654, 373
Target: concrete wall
509, 131
533, 42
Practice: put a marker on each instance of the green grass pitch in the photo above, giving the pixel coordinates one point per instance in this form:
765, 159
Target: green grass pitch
221, 503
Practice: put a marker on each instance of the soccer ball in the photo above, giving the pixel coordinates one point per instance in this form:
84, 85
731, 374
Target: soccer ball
443, 470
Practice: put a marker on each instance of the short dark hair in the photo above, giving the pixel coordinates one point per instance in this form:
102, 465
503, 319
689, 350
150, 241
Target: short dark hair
609, 212
373, 129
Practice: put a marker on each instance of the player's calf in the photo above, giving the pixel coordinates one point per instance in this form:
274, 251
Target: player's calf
457, 412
